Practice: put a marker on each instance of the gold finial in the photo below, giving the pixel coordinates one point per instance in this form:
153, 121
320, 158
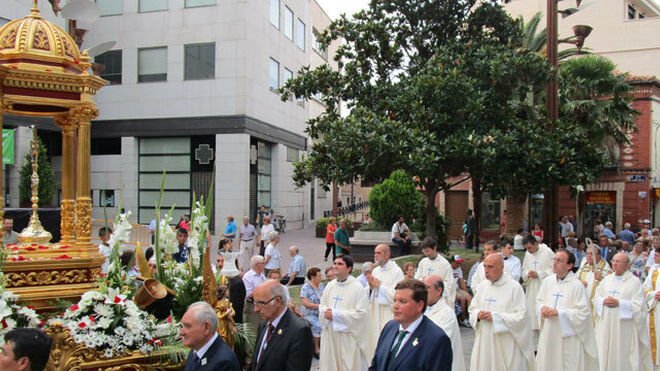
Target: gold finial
35, 8
34, 232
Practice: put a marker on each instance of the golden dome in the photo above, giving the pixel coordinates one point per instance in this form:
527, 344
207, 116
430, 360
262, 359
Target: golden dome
34, 40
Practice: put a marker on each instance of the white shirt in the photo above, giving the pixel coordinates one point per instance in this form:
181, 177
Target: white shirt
399, 229
518, 242
275, 322
513, 266
274, 261
265, 231
458, 274
411, 328
200, 353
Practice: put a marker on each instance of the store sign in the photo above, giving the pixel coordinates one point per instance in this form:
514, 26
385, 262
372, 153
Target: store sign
600, 197
637, 178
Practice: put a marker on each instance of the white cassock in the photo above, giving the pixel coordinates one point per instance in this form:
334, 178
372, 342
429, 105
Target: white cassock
540, 262
621, 333
566, 342
586, 273
651, 287
347, 342
381, 299
439, 267
506, 342
443, 316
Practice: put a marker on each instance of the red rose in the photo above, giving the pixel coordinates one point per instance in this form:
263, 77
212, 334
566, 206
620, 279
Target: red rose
117, 300
82, 324
169, 319
4, 323
158, 342
73, 307
30, 307
91, 318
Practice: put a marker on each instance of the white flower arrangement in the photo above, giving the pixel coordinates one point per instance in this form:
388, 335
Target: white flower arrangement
198, 228
13, 315
117, 277
167, 236
110, 323
122, 232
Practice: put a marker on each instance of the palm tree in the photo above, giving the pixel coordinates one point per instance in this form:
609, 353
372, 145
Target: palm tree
536, 41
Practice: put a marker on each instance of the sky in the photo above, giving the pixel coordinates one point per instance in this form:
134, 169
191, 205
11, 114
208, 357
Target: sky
336, 7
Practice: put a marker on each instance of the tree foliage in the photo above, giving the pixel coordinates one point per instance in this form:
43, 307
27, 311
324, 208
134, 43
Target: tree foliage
47, 182
395, 196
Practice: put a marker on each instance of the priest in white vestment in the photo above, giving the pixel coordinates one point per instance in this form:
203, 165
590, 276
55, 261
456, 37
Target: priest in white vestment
436, 264
590, 274
566, 341
490, 247
537, 265
652, 292
498, 314
621, 332
381, 283
347, 338
442, 315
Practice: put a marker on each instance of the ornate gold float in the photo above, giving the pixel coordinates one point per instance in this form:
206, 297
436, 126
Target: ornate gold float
44, 74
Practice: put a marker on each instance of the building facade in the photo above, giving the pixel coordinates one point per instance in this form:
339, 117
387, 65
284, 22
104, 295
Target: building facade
193, 92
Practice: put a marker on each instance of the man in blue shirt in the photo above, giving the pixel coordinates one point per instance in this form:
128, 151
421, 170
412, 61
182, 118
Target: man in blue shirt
184, 250
230, 231
607, 231
297, 268
627, 235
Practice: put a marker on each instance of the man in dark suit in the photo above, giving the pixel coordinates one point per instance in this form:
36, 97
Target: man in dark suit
284, 342
606, 252
200, 332
411, 341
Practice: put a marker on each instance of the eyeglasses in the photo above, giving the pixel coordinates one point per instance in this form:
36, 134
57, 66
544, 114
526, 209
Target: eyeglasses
264, 303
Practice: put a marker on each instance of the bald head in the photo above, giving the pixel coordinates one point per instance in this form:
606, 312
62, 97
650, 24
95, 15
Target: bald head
620, 263
381, 254
293, 250
435, 287
493, 267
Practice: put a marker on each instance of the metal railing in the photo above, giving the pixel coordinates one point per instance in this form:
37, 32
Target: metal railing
352, 208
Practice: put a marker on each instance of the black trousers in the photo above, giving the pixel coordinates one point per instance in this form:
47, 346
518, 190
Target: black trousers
328, 248
296, 281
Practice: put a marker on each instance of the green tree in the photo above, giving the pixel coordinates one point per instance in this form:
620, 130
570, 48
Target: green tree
47, 182
395, 196
428, 83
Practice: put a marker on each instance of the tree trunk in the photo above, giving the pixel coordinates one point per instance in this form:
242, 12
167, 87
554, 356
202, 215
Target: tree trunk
431, 213
515, 211
550, 216
476, 202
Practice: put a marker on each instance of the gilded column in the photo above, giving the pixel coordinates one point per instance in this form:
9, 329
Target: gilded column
67, 212
3, 106
83, 115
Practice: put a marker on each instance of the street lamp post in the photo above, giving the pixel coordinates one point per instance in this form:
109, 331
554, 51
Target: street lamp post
551, 196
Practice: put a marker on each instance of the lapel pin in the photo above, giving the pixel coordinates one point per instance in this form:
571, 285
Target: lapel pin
415, 342
203, 361
279, 332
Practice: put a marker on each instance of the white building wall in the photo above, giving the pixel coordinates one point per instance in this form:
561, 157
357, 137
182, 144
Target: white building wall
232, 175
129, 175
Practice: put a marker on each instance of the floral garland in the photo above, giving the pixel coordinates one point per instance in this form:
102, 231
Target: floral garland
110, 323
198, 228
13, 315
167, 236
118, 277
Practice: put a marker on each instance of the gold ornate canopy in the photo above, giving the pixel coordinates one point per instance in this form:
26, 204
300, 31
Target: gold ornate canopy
43, 73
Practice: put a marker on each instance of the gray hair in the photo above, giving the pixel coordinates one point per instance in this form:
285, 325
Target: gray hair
367, 266
203, 312
256, 260
278, 290
626, 226
294, 248
246, 218
273, 235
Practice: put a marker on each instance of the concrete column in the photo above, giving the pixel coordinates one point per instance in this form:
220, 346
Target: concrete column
232, 178
129, 174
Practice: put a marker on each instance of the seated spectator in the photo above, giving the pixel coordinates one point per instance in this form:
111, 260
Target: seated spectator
367, 268
462, 297
297, 268
401, 236
409, 270
25, 349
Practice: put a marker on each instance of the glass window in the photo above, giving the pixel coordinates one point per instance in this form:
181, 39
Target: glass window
199, 61
112, 62
291, 154
274, 74
288, 75
631, 12
490, 212
152, 181
288, 23
152, 5
300, 36
164, 146
177, 198
316, 45
107, 198
167, 163
194, 3
152, 64
274, 14
109, 7
263, 173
